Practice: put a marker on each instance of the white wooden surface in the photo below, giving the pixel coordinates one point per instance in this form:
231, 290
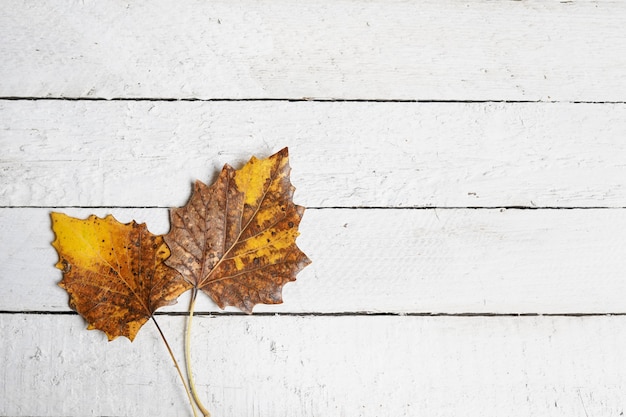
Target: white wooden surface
459, 159
399, 261
324, 366
349, 49
344, 154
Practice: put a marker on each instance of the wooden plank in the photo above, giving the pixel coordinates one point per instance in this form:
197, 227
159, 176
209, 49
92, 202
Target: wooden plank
343, 154
400, 261
321, 366
443, 50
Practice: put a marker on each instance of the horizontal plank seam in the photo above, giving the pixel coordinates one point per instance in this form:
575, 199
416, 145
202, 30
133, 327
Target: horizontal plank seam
336, 314
354, 207
467, 208
307, 99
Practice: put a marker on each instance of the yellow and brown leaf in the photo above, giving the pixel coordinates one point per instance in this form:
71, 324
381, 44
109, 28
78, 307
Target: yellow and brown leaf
114, 272
236, 239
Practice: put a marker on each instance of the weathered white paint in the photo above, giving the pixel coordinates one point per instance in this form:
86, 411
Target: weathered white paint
343, 154
360, 154
402, 261
321, 366
481, 50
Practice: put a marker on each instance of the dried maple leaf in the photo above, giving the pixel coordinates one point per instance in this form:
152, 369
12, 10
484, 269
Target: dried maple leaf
114, 272
236, 240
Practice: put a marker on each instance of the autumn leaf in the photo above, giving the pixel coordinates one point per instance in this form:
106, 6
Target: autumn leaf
114, 272
236, 240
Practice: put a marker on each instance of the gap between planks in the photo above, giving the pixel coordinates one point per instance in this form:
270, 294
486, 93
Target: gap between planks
337, 314
352, 207
308, 99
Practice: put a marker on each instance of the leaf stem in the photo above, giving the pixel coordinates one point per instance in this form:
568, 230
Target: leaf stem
182, 378
192, 385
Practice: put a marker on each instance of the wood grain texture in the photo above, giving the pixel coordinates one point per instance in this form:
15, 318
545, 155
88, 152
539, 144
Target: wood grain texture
337, 366
399, 261
443, 50
343, 154
442, 107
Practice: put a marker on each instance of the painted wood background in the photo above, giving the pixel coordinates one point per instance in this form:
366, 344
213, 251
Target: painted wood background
464, 169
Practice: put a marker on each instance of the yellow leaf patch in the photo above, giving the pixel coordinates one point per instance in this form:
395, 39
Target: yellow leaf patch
113, 272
